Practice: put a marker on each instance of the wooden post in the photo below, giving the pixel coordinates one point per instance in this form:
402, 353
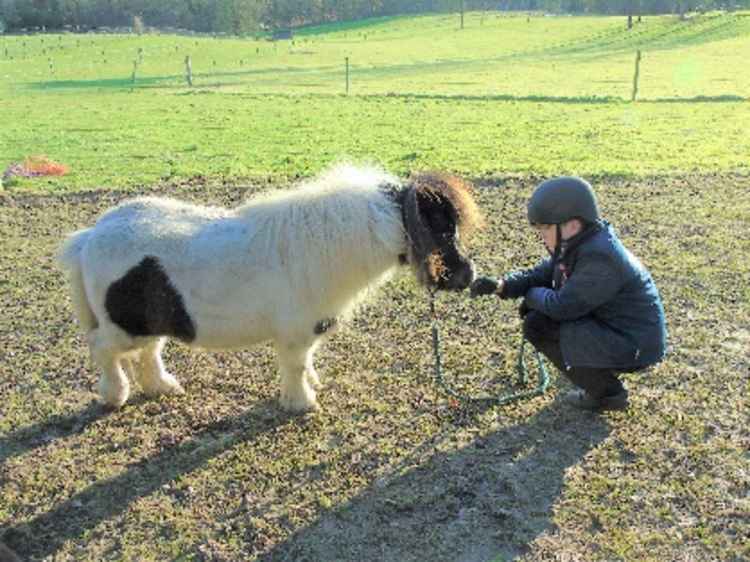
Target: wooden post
347, 76
188, 71
462, 13
637, 75
630, 14
135, 69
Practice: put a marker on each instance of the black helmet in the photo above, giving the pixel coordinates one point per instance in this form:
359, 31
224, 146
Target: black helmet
560, 199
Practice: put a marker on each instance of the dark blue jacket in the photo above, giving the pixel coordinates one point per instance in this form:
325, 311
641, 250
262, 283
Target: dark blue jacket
608, 306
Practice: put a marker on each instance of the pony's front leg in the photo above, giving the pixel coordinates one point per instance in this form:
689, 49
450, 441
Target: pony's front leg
297, 395
312, 375
107, 348
152, 376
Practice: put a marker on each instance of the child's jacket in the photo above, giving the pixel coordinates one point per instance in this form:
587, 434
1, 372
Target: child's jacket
608, 306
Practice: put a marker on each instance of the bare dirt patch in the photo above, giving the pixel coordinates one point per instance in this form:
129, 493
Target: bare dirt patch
390, 469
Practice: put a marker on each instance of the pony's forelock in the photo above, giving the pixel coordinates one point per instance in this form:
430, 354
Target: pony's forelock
460, 193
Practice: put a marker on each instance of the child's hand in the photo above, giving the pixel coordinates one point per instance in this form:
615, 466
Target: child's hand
484, 286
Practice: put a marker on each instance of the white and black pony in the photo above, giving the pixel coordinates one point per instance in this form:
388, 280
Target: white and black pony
285, 266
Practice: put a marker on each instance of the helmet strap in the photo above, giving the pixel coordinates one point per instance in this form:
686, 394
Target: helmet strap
558, 243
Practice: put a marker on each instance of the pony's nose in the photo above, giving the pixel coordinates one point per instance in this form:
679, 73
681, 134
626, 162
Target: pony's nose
462, 278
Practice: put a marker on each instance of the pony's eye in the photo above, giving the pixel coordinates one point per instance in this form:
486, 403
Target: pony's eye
442, 224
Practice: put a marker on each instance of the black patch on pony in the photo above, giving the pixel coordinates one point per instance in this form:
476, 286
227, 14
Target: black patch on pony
145, 303
322, 326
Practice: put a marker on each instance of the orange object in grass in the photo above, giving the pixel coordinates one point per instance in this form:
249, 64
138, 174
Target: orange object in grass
43, 166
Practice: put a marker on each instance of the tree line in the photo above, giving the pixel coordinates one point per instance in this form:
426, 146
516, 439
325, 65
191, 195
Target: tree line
251, 16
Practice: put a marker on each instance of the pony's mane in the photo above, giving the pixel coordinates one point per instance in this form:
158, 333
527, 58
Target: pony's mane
340, 178
458, 191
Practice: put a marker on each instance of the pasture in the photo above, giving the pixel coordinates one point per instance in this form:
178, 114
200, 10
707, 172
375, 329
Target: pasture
424, 94
390, 469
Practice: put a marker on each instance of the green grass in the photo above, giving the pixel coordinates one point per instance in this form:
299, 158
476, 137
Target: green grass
552, 57
502, 96
113, 140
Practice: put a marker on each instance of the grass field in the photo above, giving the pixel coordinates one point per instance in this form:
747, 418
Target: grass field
390, 469
484, 100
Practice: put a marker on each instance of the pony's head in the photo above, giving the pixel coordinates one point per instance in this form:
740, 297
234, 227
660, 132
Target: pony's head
439, 212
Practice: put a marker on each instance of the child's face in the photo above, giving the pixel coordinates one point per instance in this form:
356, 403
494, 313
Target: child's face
548, 234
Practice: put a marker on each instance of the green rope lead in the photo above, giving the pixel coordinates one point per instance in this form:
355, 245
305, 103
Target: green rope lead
497, 400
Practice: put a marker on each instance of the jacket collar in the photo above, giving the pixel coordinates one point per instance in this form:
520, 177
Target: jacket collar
571, 244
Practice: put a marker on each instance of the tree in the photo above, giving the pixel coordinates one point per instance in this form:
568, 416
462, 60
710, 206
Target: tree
238, 16
242, 16
279, 13
8, 13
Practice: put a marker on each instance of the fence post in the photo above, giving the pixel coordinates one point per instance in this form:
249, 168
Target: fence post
347, 76
135, 69
188, 71
637, 75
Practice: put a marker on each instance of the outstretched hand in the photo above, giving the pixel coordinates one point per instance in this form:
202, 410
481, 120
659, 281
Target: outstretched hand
484, 286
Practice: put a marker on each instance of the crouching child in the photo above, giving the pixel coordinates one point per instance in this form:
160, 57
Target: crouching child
592, 308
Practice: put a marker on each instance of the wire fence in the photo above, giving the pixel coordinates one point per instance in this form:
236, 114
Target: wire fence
597, 66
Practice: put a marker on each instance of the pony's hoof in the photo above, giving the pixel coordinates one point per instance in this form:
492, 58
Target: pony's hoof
113, 397
114, 402
298, 406
173, 389
166, 386
313, 380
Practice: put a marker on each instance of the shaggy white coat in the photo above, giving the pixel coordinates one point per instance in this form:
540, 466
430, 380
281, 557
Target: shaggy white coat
268, 270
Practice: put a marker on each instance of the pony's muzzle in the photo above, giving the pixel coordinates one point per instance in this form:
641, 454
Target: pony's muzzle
459, 278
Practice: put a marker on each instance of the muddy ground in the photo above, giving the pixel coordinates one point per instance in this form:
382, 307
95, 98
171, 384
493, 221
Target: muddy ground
390, 469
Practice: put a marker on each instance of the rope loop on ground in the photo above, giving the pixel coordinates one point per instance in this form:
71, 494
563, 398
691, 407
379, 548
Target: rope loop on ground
499, 400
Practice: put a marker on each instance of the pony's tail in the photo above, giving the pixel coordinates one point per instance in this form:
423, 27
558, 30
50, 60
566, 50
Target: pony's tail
69, 258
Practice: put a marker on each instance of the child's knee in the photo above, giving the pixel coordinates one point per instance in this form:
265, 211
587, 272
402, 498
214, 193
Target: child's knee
539, 328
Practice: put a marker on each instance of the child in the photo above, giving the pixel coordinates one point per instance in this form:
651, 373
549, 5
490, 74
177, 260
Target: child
592, 308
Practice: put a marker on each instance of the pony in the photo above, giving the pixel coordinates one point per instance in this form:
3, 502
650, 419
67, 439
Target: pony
286, 266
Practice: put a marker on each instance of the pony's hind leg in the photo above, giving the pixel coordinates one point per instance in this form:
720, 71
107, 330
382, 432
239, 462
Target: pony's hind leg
297, 395
151, 374
107, 348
